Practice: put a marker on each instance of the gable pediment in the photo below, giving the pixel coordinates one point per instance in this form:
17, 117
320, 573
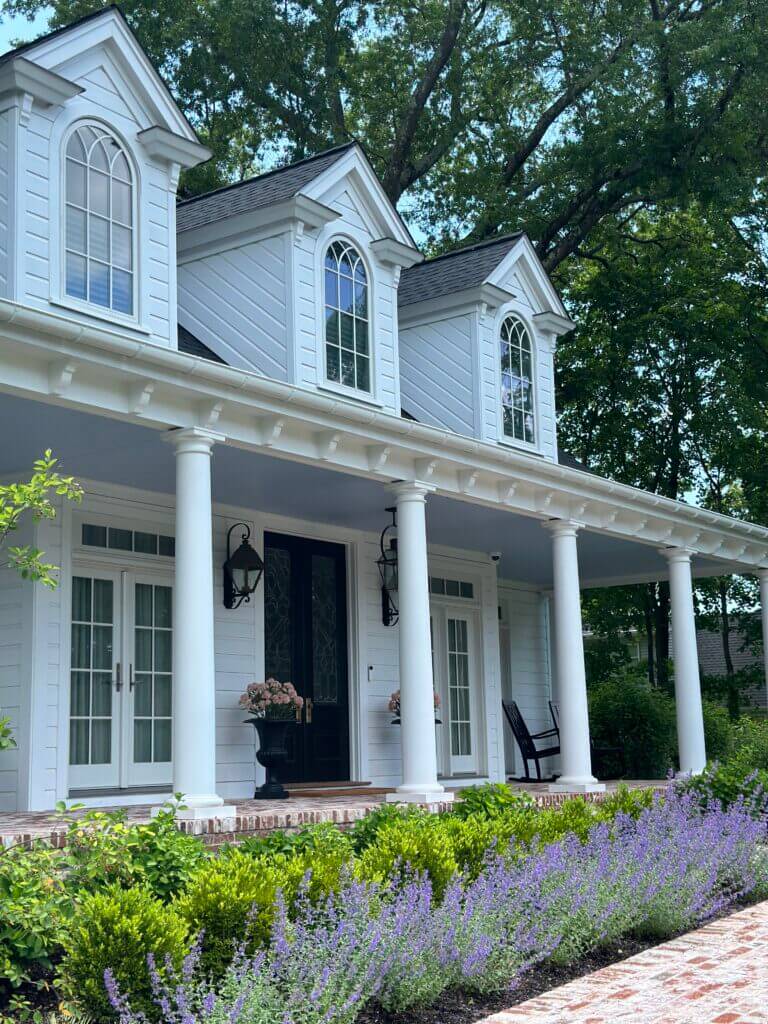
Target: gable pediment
102, 52
521, 272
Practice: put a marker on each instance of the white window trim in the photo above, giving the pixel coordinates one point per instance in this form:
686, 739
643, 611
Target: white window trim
371, 397
58, 295
505, 439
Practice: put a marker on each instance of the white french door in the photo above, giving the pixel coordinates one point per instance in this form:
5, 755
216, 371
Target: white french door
120, 679
455, 647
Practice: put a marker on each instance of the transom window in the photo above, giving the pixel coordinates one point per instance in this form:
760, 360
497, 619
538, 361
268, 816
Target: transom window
516, 355
347, 344
99, 221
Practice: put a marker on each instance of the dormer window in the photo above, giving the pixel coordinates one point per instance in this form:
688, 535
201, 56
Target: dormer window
347, 339
517, 402
99, 235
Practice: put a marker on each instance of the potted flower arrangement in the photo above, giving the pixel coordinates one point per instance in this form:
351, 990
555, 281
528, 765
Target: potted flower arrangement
275, 708
394, 706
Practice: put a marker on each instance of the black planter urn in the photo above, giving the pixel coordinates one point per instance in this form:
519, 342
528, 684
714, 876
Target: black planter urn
273, 752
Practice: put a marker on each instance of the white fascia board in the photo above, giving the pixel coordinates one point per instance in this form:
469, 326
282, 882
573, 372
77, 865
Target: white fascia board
553, 323
20, 76
523, 252
46, 356
298, 212
465, 301
111, 31
392, 253
162, 144
354, 165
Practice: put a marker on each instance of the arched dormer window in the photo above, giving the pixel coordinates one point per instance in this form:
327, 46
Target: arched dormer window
347, 338
99, 233
517, 402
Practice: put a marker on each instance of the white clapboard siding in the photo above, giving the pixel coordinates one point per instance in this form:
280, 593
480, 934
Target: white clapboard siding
5, 240
436, 373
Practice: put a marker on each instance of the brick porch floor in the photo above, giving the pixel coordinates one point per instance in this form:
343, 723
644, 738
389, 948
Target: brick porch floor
716, 975
258, 816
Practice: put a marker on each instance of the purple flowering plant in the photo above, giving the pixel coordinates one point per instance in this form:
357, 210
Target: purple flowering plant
668, 869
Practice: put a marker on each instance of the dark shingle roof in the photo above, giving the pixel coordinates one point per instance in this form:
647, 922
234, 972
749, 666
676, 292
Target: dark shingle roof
192, 346
264, 190
453, 271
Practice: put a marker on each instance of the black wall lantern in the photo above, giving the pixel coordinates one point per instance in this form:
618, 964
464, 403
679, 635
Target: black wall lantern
387, 563
242, 570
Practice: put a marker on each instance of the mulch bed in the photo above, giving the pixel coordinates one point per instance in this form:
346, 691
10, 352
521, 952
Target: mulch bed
458, 1007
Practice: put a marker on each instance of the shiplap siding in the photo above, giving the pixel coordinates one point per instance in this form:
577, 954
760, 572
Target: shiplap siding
437, 373
525, 660
235, 302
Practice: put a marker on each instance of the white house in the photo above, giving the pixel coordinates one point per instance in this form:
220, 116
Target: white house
277, 357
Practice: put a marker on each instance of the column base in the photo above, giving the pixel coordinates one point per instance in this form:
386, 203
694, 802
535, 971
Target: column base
565, 785
202, 807
421, 796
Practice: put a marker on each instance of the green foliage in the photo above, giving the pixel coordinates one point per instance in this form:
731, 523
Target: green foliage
718, 731
750, 741
624, 801
489, 801
116, 929
103, 848
627, 712
34, 904
231, 899
34, 499
416, 843
364, 832
7, 742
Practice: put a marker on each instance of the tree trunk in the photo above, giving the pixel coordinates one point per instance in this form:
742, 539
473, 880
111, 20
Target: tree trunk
661, 629
647, 615
733, 697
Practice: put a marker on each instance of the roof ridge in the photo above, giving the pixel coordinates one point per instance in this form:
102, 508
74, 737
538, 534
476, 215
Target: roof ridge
269, 173
513, 235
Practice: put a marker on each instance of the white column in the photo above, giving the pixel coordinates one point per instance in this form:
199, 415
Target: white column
690, 720
575, 756
763, 577
417, 712
194, 680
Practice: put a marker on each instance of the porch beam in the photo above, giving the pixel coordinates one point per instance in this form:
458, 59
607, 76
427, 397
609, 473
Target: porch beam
257, 413
575, 754
417, 712
690, 719
194, 673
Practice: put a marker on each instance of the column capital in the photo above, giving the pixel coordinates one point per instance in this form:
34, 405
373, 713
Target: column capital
194, 439
411, 490
677, 554
562, 527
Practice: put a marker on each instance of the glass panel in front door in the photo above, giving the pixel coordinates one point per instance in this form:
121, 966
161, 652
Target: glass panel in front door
150, 684
94, 683
459, 696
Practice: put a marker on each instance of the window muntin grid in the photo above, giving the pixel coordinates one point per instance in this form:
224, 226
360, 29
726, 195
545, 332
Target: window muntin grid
517, 402
347, 342
99, 236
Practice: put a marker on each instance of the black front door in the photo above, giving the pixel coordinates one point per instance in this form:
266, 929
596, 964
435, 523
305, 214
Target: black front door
305, 641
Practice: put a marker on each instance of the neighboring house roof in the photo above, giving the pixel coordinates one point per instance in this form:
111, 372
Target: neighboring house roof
711, 658
254, 193
192, 346
453, 271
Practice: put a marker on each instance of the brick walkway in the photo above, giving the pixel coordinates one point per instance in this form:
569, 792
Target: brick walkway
716, 975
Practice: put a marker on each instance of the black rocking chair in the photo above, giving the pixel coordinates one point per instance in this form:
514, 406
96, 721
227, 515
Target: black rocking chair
526, 741
602, 755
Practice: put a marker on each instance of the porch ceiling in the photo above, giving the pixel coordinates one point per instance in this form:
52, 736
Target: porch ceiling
101, 449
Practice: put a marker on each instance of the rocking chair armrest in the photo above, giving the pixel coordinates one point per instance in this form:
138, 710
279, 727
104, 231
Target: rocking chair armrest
544, 735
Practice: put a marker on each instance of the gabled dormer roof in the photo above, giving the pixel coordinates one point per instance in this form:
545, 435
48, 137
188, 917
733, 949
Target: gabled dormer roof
108, 28
264, 190
305, 182
453, 272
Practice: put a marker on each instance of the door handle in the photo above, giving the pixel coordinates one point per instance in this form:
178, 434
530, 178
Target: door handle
118, 677
308, 705
130, 679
